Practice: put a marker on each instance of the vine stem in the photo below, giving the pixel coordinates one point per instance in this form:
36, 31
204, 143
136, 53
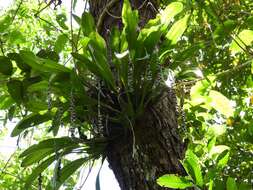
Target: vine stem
103, 14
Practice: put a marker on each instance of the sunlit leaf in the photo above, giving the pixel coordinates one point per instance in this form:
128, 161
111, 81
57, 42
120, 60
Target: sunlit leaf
222, 159
177, 30
216, 150
130, 20
192, 165
170, 11
221, 103
174, 181
240, 43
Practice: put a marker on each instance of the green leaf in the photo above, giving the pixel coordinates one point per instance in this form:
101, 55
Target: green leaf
30, 121
130, 20
97, 49
53, 143
245, 186
77, 19
252, 67
68, 170
60, 43
216, 150
19, 61
224, 29
43, 65
38, 86
174, 181
6, 67
177, 30
15, 89
61, 19
170, 11
16, 37
210, 186
98, 175
222, 159
99, 68
48, 54
211, 143
88, 24
38, 170
36, 156
5, 23
192, 166
231, 184
5, 102
221, 103
243, 39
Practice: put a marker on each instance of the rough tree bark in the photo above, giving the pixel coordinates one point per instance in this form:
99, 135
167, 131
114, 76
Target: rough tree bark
157, 148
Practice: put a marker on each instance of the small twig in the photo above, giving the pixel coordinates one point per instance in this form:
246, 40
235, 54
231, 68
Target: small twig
6, 164
57, 29
16, 12
39, 11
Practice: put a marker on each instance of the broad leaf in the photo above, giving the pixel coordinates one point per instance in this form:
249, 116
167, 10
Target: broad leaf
174, 181
216, 150
60, 43
15, 89
54, 143
222, 159
36, 157
221, 103
177, 30
170, 11
19, 61
192, 166
67, 171
98, 175
240, 43
88, 24
5, 102
38, 170
43, 65
6, 67
130, 20
30, 121
5, 23
61, 19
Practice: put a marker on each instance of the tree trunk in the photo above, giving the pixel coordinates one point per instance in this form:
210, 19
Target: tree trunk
153, 147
